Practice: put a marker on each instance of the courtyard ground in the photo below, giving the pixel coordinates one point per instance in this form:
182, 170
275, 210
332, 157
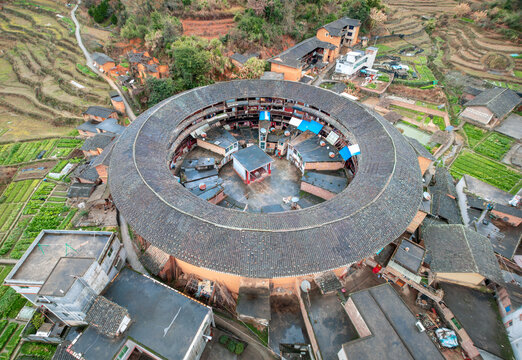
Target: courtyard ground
286, 324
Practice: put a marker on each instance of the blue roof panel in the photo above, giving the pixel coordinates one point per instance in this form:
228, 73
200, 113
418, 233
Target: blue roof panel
264, 115
315, 127
303, 126
345, 153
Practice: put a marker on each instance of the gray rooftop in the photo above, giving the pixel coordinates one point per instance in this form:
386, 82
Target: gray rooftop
64, 274
392, 327
312, 151
99, 111
154, 259
157, 322
335, 27
242, 59
252, 158
80, 190
420, 149
111, 125
333, 184
458, 249
271, 75
292, 56
500, 101
88, 126
98, 141
106, 316
349, 226
105, 156
409, 255
38, 261
219, 137
511, 126
86, 172
101, 58
254, 302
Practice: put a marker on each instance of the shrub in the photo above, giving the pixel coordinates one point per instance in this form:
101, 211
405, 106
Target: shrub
231, 345
223, 339
240, 347
37, 320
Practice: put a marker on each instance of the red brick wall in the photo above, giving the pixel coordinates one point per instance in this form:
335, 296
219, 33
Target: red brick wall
326, 165
317, 191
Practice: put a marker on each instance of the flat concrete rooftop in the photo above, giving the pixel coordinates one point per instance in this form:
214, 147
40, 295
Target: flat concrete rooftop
64, 275
51, 245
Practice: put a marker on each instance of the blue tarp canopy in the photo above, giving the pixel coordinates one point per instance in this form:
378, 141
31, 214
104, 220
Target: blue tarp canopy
345, 153
264, 115
303, 126
315, 127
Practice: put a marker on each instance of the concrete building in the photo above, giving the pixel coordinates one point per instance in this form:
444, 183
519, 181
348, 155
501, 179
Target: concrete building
356, 60
490, 107
164, 324
460, 255
343, 32
509, 299
252, 164
386, 328
64, 271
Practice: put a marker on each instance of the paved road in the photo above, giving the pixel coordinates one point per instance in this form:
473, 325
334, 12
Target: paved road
90, 64
132, 257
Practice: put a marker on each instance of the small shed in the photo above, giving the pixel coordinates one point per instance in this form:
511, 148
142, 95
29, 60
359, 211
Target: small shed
252, 164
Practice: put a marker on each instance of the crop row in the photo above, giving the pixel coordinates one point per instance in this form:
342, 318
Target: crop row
15, 234
486, 170
474, 134
18, 191
8, 214
495, 146
27, 151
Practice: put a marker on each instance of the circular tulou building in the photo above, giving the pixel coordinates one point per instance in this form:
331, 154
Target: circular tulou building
227, 245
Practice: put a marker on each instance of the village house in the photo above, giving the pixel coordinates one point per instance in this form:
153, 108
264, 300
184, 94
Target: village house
117, 101
509, 299
80, 190
444, 197
323, 185
309, 152
314, 54
200, 176
386, 328
92, 128
93, 146
239, 60
85, 174
219, 141
102, 62
252, 164
99, 113
460, 255
101, 162
490, 107
64, 270
140, 318
144, 66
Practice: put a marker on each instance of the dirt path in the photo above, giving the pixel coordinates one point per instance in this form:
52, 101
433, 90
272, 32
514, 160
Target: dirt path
89, 62
422, 109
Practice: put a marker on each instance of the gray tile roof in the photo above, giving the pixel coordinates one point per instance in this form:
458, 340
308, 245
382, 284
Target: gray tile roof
508, 209
61, 352
392, 116
458, 249
387, 187
99, 111
392, 327
252, 158
154, 259
420, 149
515, 294
105, 157
106, 316
333, 184
88, 126
335, 27
86, 172
242, 59
99, 141
500, 101
327, 282
101, 58
292, 56
80, 190
111, 125
220, 137
409, 255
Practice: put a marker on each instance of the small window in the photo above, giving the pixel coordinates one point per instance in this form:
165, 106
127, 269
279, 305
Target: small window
109, 253
349, 34
350, 27
123, 352
509, 323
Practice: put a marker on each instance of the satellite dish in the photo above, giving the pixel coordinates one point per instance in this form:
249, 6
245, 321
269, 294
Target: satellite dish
263, 130
331, 154
203, 135
295, 199
287, 133
305, 286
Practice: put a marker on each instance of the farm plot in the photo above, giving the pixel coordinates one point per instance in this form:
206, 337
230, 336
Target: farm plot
474, 134
12, 201
487, 170
495, 146
35, 150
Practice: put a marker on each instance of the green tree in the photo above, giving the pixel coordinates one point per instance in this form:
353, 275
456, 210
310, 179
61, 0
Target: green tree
160, 89
253, 68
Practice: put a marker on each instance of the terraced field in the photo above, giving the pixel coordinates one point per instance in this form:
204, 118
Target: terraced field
38, 72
